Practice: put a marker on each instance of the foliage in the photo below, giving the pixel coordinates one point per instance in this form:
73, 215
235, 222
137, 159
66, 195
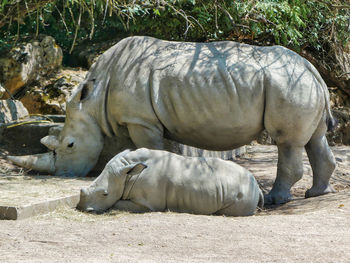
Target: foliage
297, 24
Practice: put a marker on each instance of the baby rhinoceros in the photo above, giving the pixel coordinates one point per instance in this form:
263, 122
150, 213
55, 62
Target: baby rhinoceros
155, 180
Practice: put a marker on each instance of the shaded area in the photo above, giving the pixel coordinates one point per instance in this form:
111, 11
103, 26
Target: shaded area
302, 205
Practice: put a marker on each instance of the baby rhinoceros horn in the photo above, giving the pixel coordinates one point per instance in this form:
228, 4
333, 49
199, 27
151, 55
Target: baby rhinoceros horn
42, 162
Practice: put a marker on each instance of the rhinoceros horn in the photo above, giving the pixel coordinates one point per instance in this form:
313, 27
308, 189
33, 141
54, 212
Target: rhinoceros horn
42, 162
50, 142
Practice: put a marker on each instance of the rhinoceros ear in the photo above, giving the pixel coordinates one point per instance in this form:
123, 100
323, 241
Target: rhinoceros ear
87, 88
83, 91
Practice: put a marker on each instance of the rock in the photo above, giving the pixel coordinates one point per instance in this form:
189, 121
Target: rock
2, 91
12, 110
38, 103
28, 62
339, 98
341, 134
339, 159
50, 94
50, 57
346, 134
342, 56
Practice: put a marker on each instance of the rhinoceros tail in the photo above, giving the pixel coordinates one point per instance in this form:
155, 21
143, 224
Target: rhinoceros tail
332, 123
261, 199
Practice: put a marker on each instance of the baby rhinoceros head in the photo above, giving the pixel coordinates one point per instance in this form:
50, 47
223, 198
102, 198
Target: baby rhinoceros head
108, 187
96, 201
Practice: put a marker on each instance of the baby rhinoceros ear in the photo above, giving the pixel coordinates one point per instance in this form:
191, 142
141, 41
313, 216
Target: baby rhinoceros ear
124, 170
134, 169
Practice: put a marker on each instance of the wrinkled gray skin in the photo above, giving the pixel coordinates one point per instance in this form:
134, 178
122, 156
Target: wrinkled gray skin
216, 96
154, 180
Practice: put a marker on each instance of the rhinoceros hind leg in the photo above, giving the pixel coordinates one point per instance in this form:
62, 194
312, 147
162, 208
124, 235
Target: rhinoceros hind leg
323, 164
149, 137
289, 171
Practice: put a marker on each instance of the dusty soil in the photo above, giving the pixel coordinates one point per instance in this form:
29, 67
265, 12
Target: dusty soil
304, 230
22, 190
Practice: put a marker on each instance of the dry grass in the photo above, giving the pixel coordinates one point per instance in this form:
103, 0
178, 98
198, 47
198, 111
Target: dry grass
71, 214
6, 171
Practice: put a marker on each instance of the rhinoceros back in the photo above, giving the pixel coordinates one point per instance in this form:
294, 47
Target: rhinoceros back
201, 93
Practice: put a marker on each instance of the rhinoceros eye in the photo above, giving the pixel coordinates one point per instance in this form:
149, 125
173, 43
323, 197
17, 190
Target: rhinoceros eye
70, 145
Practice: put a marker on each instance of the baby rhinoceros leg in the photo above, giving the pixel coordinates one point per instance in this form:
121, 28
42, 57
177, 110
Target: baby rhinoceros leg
130, 206
244, 203
239, 209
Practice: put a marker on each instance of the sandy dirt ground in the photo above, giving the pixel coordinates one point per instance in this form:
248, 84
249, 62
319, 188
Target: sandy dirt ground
304, 230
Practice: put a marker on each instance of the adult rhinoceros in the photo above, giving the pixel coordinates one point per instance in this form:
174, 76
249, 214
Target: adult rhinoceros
216, 96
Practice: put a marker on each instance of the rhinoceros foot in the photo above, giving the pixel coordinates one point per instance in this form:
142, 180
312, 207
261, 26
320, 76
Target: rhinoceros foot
319, 190
277, 198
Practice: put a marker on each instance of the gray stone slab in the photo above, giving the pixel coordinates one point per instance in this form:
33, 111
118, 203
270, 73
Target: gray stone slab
22, 212
24, 196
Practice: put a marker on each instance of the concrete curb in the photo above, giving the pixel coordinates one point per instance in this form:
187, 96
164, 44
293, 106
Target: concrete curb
22, 212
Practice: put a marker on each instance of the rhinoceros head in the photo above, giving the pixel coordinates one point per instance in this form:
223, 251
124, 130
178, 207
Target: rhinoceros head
77, 148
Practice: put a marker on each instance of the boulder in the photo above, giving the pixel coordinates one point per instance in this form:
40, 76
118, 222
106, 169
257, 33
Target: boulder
48, 96
12, 110
346, 134
2, 91
342, 59
341, 135
28, 62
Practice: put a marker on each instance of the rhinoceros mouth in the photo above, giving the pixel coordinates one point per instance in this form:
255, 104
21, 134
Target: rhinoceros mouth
90, 210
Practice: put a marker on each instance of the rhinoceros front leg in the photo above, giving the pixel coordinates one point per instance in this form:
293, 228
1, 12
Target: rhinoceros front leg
146, 136
323, 164
289, 171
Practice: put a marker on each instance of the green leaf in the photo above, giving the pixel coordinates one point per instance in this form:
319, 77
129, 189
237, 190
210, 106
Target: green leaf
156, 12
284, 38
